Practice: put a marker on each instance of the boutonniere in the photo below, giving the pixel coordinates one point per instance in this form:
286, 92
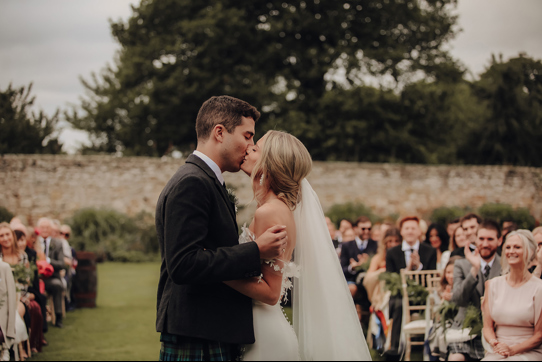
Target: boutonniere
233, 199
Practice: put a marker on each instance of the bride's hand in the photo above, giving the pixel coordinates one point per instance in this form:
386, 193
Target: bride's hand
272, 243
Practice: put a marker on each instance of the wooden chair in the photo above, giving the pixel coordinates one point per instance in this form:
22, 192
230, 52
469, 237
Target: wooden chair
430, 280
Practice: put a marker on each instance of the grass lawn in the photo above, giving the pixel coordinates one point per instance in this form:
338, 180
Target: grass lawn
122, 327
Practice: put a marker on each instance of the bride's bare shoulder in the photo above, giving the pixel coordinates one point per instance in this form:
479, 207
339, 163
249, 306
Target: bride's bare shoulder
273, 213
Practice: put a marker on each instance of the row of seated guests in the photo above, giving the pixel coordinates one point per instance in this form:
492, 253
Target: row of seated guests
21, 248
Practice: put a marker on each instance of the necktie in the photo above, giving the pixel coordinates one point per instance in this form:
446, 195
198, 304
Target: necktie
411, 253
486, 271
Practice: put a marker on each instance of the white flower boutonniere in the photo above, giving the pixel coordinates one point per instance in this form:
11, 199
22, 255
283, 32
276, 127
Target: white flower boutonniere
233, 199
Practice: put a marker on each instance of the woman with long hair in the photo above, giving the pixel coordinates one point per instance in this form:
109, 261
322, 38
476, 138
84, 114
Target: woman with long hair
438, 238
325, 325
9, 253
513, 304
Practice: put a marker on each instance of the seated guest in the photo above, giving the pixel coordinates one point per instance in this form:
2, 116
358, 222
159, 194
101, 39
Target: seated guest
470, 275
469, 223
376, 232
31, 296
391, 239
354, 254
459, 240
411, 255
447, 282
8, 309
344, 225
9, 253
333, 233
513, 304
452, 225
55, 256
438, 238
537, 234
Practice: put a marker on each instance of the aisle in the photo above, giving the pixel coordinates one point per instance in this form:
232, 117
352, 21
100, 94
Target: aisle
120, 328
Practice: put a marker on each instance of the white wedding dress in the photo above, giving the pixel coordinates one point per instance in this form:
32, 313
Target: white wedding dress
326, 325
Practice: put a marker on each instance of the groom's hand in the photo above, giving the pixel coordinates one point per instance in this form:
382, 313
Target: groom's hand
272, 243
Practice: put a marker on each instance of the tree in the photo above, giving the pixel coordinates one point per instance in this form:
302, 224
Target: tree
23, 130
511, 133
277, 55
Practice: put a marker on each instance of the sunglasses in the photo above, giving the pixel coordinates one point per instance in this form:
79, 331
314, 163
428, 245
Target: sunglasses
363, 229
65, 234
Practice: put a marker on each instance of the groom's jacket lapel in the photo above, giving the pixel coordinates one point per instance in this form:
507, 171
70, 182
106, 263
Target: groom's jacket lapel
201, 164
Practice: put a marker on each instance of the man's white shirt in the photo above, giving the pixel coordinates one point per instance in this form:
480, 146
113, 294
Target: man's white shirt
212, 165
408, 252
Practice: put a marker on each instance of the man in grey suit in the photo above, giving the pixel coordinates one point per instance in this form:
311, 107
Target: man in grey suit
470, 276
54, 253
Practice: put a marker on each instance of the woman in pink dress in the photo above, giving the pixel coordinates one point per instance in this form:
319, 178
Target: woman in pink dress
513, 304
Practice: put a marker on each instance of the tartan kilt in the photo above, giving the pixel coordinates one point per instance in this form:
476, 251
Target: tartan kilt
179, 348
473, 348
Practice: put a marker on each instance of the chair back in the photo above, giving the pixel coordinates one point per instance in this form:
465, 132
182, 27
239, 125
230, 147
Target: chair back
430, 279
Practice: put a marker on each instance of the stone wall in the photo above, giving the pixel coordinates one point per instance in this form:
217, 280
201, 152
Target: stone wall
37, 185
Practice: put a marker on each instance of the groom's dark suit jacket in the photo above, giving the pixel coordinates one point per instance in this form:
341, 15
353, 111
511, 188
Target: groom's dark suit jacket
199, 244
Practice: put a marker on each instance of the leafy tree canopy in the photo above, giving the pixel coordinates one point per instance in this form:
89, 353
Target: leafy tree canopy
22, 130
282, 56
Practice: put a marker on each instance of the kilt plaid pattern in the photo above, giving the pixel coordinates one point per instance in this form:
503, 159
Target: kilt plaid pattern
179, 348
473, 348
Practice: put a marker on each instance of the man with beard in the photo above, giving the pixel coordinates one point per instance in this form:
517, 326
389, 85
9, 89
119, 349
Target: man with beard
470, 275
469, 223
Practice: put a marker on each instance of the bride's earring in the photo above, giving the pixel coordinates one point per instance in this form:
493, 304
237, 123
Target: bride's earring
261, 179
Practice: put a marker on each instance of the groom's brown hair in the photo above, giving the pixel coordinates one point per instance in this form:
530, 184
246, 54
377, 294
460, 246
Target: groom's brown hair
224, 110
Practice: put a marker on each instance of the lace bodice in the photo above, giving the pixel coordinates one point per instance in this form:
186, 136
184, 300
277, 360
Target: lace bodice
288, 271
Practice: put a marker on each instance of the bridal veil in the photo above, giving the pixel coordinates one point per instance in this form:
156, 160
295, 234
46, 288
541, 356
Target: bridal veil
325, 318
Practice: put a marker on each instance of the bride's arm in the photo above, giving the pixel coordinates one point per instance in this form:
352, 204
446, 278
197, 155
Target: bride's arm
268, 288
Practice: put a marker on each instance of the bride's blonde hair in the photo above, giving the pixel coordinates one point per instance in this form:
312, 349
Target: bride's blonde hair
283, 164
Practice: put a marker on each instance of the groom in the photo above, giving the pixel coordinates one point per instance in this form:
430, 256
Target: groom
199, 317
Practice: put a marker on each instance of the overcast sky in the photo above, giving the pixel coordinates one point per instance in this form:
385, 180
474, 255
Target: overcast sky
52, 43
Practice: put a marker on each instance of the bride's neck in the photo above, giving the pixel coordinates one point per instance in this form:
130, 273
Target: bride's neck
267, 195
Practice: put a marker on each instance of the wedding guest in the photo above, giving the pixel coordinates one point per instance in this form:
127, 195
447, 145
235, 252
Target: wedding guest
8, 309
513, 304
376, 232
447, 282
469, 223
459, 240
354, 254
537, 234
452, 225
385, 227
344, 225
55, 256
438, 238
423, 228
10, 254
411, 255
34, 302
392, 238
507, 227
333, 233
349, 235
470, 275
65, 233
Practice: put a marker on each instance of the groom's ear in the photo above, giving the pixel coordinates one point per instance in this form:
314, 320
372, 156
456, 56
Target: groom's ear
218, 133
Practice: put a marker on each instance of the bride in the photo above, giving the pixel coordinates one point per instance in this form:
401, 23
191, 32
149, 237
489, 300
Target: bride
325, 325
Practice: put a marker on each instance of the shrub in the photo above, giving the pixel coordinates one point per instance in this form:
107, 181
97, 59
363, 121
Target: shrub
5, 215
443, 215
113, 235
351, 211
504, 212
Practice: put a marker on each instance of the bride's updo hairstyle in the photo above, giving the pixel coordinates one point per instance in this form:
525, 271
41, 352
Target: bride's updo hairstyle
283, 164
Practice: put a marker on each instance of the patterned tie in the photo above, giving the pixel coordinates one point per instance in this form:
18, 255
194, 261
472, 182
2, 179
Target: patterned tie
486, 271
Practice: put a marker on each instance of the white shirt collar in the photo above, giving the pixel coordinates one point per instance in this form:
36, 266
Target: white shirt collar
407, 247
212, 165
485, 263
362, 244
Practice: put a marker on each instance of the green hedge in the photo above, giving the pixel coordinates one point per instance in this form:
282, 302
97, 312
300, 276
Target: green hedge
504, 212
351, 211
113, 235
5, 215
